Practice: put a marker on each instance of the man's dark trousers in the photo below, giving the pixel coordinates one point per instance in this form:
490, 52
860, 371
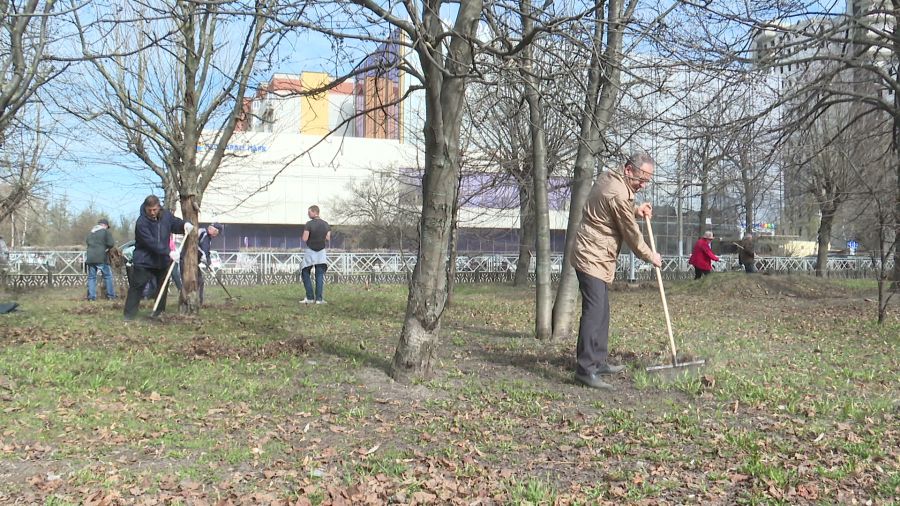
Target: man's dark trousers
139, 277
593, 332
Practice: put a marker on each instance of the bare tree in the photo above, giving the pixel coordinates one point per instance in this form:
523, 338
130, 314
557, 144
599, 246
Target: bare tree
530, 72
829, 59
22, 166
27, 64
25, 60
446, 58
752, 161
821, 164
532, 65
877, 224
381, 210
499, 133
605, 49
445, 53
173, 74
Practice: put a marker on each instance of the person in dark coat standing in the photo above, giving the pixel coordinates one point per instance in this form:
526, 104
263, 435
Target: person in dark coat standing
99, 241
702, 256
747, 255
204, 240
152, 255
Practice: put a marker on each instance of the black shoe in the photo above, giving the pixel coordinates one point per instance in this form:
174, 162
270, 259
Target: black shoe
610, 369
156, 315
593, 381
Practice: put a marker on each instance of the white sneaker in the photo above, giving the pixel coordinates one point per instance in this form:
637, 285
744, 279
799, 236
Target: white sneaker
321, 302
306, 301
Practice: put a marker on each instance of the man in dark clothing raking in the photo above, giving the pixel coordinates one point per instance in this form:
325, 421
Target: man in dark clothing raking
316, 234
204, 238
152, 255
99, 241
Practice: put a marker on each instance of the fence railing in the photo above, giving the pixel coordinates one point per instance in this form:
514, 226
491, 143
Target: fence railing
66, 268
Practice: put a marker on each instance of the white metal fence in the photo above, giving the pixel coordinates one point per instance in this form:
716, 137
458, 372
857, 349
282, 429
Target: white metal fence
66, 268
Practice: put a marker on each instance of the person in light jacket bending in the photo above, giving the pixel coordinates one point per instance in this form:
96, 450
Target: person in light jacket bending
609, 218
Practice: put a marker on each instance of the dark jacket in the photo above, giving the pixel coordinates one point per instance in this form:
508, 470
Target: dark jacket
151, 239
318, 231
98, 241
203, 244
702, 256
746, 255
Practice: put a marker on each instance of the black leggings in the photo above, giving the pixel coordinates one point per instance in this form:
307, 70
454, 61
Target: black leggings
699, 273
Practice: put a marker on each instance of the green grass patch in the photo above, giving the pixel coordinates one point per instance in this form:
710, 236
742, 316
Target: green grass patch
263, 394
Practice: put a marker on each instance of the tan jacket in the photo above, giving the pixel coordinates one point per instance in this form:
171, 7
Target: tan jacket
607, 219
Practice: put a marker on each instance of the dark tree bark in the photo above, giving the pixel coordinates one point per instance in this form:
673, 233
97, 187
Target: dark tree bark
445, 78
543, 322
600, 99
526, 234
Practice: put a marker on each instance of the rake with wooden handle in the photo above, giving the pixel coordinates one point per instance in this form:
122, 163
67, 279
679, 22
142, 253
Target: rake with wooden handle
216, 275
662, 294
165, 283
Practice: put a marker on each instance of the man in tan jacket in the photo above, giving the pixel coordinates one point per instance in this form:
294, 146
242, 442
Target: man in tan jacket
609, 218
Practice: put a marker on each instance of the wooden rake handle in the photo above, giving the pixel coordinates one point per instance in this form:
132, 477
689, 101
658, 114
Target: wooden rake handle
165, 282
662, 295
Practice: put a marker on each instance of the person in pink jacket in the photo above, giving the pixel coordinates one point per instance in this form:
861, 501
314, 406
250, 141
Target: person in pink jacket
702, 256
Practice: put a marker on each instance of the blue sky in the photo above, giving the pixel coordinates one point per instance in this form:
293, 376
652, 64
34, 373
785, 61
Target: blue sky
89, 169
86, 176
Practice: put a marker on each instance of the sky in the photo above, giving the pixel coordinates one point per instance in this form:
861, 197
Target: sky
89, 170
86, 177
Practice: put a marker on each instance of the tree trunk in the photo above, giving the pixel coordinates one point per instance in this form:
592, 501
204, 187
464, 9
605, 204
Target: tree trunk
704, 199
170, 195
429, 287
824, 239
600, 99
189, 300
747, 186
748, 212
526, 233
895, 285
543, 322
454, 244
895, 152
445, 85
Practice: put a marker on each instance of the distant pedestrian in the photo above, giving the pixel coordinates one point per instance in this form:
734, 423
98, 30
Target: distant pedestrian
152, 255
702, 256
99, 242
316, 235
747, 254
204, 240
